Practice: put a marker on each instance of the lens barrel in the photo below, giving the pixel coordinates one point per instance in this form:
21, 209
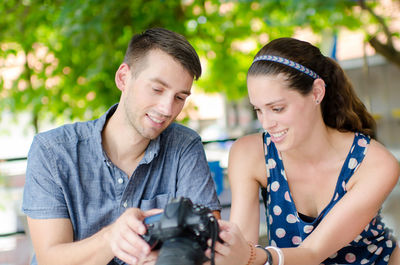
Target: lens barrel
182, 251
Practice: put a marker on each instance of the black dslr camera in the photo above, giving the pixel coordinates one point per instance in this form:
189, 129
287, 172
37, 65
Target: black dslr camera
181, 232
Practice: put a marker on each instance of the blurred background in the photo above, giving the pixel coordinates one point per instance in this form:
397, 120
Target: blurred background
58, 60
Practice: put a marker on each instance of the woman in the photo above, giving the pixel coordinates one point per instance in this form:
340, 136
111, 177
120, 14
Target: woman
323, 177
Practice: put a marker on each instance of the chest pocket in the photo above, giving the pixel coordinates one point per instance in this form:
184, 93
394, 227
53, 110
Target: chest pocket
158, 201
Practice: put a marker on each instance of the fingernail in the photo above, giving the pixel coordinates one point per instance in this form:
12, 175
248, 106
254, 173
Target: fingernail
134, 260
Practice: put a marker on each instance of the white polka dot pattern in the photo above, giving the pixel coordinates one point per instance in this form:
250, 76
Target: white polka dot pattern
271, 163
286, 229
277, 210
389, 243
296, 240
352, 163
364, 261
287, 196
275, 186
308, 228
291, 219
280, 232
334, 255
386, 258
372, 248
350, 257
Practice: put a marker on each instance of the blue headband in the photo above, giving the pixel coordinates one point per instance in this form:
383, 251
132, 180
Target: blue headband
287, 62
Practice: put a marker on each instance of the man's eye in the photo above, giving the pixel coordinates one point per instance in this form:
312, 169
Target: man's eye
181, 98
156, 89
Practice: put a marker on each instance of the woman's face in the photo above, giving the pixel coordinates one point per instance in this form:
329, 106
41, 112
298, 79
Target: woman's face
284, 113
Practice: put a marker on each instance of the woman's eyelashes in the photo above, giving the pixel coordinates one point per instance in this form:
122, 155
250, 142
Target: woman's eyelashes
273, 109
278, 109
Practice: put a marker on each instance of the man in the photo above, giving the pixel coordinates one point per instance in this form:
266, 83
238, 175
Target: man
90, 185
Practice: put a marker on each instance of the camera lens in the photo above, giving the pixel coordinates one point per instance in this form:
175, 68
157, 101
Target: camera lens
182, 251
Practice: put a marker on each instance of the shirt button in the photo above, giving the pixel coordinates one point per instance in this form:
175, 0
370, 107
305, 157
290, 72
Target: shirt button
125, 204
120, 181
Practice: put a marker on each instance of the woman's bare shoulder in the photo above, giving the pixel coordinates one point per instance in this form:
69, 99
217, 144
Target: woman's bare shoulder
248, 145
246, 158
380, 160
251, 139
378, 154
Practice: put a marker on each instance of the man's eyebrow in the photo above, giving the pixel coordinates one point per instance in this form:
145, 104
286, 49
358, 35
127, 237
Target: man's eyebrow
186, 92
160, 81
165, 84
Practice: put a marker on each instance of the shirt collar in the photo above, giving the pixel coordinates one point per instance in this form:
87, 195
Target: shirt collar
152, 149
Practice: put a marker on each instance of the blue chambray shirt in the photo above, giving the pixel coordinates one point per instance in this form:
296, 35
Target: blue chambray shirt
69, 176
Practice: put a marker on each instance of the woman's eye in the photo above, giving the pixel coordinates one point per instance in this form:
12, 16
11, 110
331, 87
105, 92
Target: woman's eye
277, 109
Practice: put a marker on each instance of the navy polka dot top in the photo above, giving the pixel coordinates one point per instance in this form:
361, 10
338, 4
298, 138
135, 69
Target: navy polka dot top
286, 229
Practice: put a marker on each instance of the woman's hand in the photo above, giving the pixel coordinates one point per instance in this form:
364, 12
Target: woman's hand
234, 250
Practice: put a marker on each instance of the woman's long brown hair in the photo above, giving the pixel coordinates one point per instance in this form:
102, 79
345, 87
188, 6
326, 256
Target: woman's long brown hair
341, 107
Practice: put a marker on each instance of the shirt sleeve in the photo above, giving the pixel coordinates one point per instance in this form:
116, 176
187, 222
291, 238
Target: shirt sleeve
194, 177
43, 197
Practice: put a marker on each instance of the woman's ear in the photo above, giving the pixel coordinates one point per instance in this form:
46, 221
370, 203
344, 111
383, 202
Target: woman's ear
121, 76
318, 90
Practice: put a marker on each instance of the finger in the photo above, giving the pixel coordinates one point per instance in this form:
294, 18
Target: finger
227, 237
222, 222
225, 225
152, 212
150, 259
221, 249
134, 245
207, 253
127, 258
134, 219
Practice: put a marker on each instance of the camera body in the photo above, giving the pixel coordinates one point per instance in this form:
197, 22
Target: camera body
181, 232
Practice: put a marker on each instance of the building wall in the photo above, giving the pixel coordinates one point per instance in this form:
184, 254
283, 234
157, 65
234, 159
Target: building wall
377, 83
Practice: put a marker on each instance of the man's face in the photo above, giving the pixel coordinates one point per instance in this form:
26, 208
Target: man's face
155, 95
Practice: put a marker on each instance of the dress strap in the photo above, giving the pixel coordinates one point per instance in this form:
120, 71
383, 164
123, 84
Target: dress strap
355, 157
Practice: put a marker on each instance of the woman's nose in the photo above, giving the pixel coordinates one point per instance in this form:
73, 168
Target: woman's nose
268, 123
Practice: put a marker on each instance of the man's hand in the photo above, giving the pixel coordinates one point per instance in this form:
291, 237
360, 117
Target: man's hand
124, 237
150, 259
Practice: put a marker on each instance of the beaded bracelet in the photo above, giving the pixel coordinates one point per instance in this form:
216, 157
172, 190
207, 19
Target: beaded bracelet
269, 260
280, 254
252, 254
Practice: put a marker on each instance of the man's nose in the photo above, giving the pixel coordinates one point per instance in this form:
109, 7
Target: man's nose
165, 106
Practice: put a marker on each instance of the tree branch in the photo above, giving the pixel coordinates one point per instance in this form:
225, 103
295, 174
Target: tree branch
380, 20
389, 52
387, 49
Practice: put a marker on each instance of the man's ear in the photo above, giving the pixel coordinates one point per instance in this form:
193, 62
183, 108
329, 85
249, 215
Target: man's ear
318, 90
122, 75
